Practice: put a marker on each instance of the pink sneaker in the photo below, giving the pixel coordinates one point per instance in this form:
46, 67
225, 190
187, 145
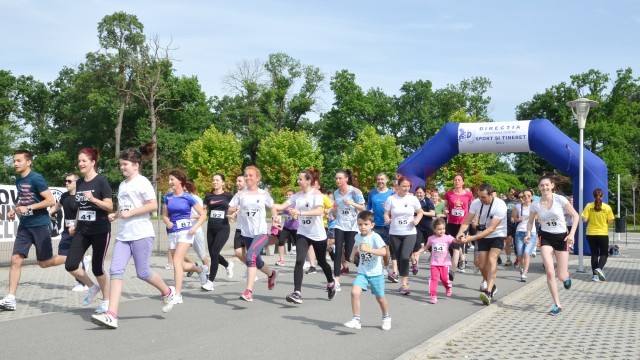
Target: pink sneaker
434, 299
247, 296
448, 293
271, 281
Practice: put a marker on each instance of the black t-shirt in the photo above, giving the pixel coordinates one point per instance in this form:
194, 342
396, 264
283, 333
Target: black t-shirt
91, 219
425, 223
217, 206
69, 208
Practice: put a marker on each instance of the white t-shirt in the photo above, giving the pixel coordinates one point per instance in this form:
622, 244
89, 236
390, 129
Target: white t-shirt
498, 211
194, 212
252, 211
311, 227
346, 218
552, 220
523, 212
133, 194
402, 213
241, 222
370, 265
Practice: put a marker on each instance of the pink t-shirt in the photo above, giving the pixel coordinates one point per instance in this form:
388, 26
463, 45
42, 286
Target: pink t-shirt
458, 206
440, 250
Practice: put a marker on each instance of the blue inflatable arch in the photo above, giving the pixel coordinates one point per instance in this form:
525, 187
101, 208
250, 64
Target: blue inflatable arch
539, 136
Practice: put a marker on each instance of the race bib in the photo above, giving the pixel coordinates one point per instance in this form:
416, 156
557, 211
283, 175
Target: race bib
551, 222
69, 223
457, 212
305, 220
402, 221
438, 247
345, 211
184, 223
216, 214
125, 208
250, 213
87, 215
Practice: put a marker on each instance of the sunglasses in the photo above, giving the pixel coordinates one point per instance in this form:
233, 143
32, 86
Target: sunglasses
69, 181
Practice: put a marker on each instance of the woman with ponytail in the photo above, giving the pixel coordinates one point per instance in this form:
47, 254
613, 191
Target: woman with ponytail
599, 215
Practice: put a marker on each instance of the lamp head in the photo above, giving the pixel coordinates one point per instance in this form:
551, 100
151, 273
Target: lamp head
580, 109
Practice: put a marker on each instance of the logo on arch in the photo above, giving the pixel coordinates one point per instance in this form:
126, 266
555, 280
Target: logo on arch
465, 135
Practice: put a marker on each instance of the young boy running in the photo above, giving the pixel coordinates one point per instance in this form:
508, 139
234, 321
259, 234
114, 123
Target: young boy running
371, 249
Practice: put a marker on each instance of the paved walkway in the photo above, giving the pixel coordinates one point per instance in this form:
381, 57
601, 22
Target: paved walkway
601, 320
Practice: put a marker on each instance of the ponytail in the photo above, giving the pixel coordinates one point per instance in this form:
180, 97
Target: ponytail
597, 203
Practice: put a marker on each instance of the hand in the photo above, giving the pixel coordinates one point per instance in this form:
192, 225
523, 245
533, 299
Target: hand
112, 217
22, 210
346, 201
461, 238
527, 239
88, 195
72, 230
125, 214
569, 239
192, 231
387, 220
365, 248
12, 214
169, 226
415, 223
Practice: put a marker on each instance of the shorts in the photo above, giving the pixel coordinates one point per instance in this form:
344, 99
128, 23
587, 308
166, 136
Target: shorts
39, 236
487, 244
198, 245
64, 244
237, 240
556, 241
383, 231
376, 282
179, 237
522, 247
453, 229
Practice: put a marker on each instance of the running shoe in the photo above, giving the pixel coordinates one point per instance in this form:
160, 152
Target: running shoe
516, 263
494, 290
404, 290
80, 287
91, 295
485, 297
280, 262
470, 246
294, 297
331, 290
460, 270
567, 284
483, 286
434, 299
499, 260
393, 277
343, 271
533, 254
452, 275
168, 267
103, 307
190, 273
555, 311
177, 299
353, 324
208, 286
230, 270
595, 278
203, 275
414, 269
449, 291
271, 281
106, 320
8, 303
386, 323
600, 275
306, 265
336, 285
508, 263
523, 278
246, 296
167, 300
311, 270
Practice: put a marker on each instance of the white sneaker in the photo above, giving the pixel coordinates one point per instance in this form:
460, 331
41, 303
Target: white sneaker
177, 299
337, 286
8, 303
103, 308
86, 262
168, 267
203, 275
80, 287
386, 323
91, 295
208, 286
230, 271
483, 286
168, 300
105, 320
355, 324
306, 265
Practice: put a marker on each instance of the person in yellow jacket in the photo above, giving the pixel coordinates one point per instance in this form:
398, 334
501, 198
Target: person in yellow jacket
599, 215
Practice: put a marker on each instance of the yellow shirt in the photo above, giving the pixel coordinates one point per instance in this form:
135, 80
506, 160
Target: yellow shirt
598, 220
327, 204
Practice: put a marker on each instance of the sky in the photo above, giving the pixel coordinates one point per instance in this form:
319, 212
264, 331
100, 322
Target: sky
523, 47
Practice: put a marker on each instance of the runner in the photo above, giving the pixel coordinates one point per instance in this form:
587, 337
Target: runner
348, 202
492, 229
288, 231
375, 204
176, 215
92, 227
136, 200
218, 229
399, 210
424, 229
307, 208
238, 245
34, 197
456, 207
198, 238
520, 217
599, 215
439, 244
555, 241
511, 226
249, 207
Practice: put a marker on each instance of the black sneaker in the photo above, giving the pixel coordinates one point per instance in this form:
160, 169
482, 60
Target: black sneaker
331, 290
190, 273
295, 297
452, 275
311, 270
494, 290
499, 260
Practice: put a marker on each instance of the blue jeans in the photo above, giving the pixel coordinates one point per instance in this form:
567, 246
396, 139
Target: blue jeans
521, 247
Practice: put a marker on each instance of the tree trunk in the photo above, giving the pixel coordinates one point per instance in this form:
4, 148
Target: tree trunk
119, 128
152, 114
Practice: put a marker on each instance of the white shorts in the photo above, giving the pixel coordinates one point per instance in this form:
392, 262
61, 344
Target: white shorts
180, 236
198, 245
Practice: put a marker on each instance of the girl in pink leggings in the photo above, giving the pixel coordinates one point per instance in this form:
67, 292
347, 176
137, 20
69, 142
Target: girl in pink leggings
440, 259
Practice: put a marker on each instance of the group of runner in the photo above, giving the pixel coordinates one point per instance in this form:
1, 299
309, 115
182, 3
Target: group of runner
384, 234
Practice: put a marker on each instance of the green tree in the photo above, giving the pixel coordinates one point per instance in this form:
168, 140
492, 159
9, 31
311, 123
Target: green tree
282, 155
371, 154
9, 125
214, 152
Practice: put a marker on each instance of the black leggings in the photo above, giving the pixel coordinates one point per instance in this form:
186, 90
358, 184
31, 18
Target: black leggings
344, 240
302, 247
599, 245
216, 238
287, 234
403, 246
79, 246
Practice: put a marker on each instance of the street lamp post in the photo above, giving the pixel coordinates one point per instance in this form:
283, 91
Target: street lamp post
634, 185
580, 109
